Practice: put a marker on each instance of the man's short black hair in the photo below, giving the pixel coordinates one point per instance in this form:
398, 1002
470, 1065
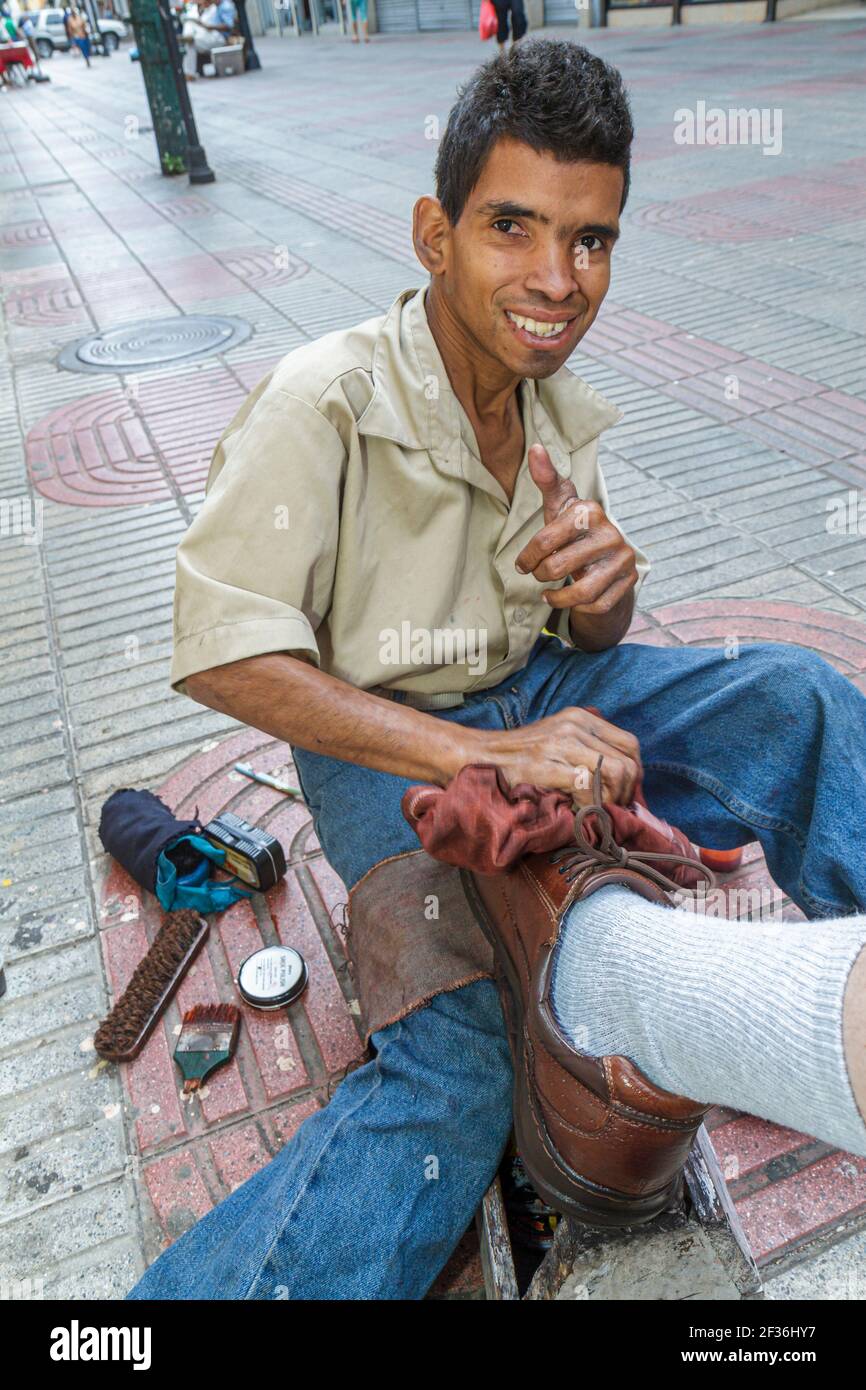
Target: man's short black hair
554, 96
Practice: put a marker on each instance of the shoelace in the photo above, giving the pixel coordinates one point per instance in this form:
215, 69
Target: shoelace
609, 853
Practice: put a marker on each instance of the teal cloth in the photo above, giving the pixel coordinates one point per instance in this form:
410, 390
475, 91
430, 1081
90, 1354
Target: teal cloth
195, 889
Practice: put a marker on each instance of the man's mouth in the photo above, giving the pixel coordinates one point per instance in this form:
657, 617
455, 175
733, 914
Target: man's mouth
540, 332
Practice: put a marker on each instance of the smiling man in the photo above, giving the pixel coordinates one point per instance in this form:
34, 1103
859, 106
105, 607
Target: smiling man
433, 473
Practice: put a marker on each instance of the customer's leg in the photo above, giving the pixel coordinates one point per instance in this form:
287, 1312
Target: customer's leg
766, 1017
769, 744
369, 1198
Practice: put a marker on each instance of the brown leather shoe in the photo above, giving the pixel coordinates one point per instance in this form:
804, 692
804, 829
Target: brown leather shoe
600, 1141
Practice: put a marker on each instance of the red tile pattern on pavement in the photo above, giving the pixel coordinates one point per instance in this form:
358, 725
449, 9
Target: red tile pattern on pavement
123, 448
94, 452
189, 279
790, 1211
25, 234
787, 1187
794, 414
755, 211
745, 1145
42, 296
187, 205
709, 622
265, 267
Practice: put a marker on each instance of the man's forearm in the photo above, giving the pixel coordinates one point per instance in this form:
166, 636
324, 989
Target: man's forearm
593, 632
292, 700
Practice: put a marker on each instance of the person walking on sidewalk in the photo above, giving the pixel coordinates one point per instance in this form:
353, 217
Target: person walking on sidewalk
358, 19
441, 466
79, 33
514, 10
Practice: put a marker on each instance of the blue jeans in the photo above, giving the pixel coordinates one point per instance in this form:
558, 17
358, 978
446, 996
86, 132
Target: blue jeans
374, 1191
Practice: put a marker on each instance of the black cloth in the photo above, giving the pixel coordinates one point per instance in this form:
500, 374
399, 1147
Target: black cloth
136, 827
518, 19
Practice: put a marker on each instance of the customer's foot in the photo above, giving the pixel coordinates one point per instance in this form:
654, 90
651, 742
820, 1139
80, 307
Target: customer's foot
600, 1141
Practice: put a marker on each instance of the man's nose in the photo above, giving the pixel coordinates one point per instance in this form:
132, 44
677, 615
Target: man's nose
553, 272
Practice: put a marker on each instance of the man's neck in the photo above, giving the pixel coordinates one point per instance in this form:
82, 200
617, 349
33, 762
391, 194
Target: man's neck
486, 391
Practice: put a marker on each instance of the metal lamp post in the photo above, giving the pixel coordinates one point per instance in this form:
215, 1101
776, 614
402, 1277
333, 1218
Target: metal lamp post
167, 95
253, 62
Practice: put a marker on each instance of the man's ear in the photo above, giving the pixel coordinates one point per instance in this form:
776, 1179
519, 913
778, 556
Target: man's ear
431, 234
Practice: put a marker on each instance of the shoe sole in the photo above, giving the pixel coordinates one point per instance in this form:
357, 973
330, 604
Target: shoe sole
594, 1204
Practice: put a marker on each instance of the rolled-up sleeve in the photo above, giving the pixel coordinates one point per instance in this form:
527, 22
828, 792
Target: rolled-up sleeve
255, 569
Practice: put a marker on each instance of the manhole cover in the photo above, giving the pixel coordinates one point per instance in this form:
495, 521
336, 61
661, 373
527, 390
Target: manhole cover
153, 343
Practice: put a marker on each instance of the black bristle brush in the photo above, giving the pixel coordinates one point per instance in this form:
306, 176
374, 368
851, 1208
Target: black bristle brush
208, 1036
121, 1036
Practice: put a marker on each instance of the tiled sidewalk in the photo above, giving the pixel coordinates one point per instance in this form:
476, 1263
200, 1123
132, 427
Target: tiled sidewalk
734, 339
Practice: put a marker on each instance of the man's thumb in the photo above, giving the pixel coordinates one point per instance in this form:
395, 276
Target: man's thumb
556, 492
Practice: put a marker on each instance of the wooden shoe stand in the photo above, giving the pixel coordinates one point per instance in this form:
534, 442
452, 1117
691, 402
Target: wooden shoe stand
695, 1250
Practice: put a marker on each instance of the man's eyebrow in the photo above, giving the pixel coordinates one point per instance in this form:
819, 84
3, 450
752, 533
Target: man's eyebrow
502, 207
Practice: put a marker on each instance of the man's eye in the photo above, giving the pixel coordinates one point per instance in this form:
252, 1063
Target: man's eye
503, 223
590, 236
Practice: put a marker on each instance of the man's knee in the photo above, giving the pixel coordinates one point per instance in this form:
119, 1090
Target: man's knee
792, 694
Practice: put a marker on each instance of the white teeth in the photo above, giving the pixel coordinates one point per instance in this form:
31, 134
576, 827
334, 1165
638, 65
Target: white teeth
539, 330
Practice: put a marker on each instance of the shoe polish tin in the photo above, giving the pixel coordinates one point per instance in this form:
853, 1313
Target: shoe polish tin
272, 977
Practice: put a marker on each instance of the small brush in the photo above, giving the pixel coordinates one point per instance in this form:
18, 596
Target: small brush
208, 1037
121, 1036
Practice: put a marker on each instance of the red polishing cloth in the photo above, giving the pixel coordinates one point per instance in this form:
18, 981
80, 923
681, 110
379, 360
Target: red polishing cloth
478, 822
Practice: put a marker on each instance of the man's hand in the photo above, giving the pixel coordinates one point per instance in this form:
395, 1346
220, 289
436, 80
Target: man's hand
578, 541
562, 751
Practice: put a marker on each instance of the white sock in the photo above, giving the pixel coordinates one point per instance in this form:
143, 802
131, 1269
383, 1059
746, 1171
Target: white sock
741, 1014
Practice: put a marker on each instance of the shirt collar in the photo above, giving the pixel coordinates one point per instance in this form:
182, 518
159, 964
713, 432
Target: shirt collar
413, 402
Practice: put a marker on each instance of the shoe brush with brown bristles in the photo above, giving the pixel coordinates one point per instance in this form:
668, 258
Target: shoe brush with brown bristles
121, 1036
208, 1038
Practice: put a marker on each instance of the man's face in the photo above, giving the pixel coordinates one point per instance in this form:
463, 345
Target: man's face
533, 243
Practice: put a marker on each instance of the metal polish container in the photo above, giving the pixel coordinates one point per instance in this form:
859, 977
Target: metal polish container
272, 977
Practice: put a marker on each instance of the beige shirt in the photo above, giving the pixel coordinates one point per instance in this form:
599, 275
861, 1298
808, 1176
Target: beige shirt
349, 518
